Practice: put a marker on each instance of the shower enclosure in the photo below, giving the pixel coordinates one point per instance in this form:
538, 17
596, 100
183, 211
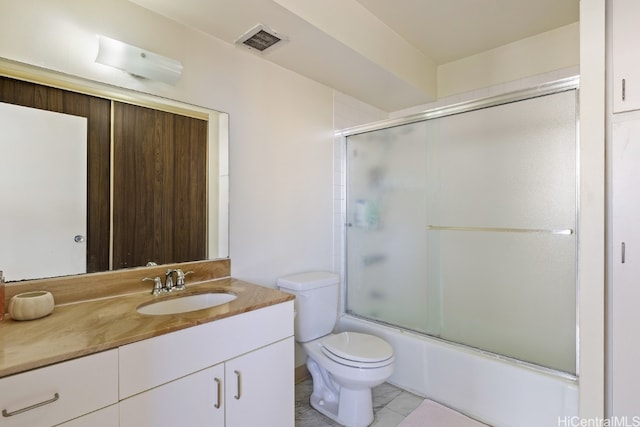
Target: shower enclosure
462, 225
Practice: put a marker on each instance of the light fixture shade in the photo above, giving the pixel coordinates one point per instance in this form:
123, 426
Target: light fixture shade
138, 61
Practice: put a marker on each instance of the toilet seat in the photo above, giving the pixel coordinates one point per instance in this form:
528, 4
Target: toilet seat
357, 350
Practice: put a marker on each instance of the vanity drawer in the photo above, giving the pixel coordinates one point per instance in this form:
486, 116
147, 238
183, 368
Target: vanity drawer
56, 393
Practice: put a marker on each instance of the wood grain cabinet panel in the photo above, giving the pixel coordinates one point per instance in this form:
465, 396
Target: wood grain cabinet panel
190, 192
159, 207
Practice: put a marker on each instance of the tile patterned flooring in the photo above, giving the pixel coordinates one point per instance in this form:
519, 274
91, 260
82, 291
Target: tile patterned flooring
390, 406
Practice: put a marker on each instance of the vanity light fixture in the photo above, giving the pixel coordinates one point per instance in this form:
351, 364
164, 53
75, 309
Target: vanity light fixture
137, 61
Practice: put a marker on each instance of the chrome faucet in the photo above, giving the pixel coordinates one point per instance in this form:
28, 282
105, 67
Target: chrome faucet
157, 285
169, 284
180, 275
168, 281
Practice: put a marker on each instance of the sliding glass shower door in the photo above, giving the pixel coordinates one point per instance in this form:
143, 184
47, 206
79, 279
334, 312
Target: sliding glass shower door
463, 227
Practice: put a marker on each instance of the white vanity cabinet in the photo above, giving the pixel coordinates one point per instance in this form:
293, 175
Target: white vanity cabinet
626, 61
236, 372
61, 392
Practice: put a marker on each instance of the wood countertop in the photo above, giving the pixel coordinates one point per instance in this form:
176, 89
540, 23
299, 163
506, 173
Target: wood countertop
80, 328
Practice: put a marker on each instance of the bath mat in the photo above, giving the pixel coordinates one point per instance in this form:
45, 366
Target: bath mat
430, 413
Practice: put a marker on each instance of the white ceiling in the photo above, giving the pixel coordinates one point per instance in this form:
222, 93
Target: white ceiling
328, 38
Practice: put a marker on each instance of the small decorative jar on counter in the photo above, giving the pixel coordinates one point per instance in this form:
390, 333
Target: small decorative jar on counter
31, 305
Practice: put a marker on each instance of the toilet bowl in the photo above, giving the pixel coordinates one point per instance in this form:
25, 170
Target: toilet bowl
344, 366
341, 385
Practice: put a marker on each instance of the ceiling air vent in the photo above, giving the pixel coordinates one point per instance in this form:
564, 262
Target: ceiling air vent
260, 38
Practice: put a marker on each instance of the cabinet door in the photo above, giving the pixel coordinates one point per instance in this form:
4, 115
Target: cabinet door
626, 59
260, 387
195, 400
106, 417
625, 287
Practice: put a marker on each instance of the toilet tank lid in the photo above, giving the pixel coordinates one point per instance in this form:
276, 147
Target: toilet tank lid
310, 280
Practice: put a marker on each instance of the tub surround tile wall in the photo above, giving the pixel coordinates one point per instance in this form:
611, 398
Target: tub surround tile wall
79, 327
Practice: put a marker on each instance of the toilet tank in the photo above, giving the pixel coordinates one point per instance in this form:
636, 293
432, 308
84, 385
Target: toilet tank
316, 302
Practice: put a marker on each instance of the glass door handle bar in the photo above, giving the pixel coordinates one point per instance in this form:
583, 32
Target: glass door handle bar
563, 231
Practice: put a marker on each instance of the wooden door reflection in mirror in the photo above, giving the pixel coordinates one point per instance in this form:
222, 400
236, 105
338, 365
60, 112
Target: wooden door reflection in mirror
159, 187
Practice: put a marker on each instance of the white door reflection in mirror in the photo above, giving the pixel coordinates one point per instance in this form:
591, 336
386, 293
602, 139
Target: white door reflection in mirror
43, 201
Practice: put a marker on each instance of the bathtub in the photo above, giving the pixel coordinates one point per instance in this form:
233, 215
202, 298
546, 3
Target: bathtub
497, 391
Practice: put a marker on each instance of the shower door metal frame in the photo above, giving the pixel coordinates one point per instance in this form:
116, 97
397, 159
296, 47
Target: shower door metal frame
550, 88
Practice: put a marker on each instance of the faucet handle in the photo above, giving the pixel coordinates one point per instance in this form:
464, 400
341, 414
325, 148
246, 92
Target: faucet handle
157, 285
180, 275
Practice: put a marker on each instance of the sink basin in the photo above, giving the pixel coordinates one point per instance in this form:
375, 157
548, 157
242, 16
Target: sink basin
186, 303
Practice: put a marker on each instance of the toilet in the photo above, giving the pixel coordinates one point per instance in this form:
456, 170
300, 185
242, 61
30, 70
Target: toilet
344, 366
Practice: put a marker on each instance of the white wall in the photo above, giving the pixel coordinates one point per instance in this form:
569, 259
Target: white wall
543, 53
280, 123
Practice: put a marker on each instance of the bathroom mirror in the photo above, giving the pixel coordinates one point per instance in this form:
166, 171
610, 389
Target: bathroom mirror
214, 179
